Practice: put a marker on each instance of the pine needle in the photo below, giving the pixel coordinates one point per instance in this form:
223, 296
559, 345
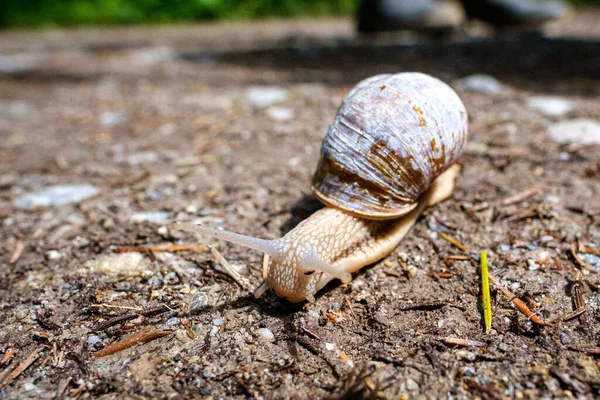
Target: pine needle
485, 292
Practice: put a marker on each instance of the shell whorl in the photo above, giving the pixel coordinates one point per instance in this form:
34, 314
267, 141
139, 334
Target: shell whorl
392, 136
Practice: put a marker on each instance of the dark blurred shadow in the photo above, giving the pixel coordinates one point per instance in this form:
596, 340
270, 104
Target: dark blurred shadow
518, 59
303, 208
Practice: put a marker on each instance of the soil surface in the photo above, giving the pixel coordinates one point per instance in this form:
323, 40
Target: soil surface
222, 125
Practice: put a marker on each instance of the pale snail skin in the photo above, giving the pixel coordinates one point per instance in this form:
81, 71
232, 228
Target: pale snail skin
364, 223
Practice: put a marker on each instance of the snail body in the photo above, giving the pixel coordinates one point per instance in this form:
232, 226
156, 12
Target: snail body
388, 155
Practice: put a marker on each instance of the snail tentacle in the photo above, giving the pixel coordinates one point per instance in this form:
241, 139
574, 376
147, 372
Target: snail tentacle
273, 248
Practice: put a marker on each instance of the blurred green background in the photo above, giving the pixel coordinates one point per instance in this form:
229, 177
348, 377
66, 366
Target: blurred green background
43, 13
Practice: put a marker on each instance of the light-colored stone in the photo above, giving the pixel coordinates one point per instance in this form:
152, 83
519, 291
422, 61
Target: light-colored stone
577, 131
281, 114
481, 83
264, 96
551, 106
265, 334
157, 217
56, 196
118, 264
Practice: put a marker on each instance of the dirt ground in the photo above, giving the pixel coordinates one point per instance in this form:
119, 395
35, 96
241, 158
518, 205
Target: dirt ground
221, 125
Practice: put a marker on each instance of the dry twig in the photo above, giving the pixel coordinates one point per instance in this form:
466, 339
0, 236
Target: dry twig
22, 366
518, 197
197, 248
453, 241
144, 335
127, 317
518, 303
571, 315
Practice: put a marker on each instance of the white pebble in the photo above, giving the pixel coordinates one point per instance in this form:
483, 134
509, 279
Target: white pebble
109, 118
481, 83
94, 339
53, 255
551, 106
265, 334
118, 264
281, 114
412, 385
578, 131
56, 196
157, 217
264, 96
330, 346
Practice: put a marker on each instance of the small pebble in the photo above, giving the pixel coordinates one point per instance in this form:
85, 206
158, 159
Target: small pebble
157, 217
592, 260
564, 338
551, 106
265, 334
264, 96
173, 322
466, 355
53, 255
468, 371
163, 231
412, 385
80, 242
109, 118
281, 114
532, 265
56, 196
92, 340
329, 346
578, 131
218, 322
481, 83
143, 157
118, 264
156, 282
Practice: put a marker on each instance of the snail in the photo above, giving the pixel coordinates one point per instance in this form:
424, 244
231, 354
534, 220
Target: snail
389, 154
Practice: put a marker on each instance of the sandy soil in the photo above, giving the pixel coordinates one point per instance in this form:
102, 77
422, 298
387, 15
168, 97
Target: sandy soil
162, 121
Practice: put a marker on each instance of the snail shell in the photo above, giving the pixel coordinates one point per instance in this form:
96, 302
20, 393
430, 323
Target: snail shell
392, 136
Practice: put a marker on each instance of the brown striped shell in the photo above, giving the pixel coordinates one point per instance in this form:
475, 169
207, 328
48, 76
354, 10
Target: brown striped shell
392, 136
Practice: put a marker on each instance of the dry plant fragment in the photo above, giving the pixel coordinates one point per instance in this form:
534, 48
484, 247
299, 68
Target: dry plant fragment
18, 252
228, 269
579, 302
518, 303
462, 342
22, 366
580, 263
197, 248
453, 241
144, 335
518, 197
126, 317
584, 349
10, 353
571, 315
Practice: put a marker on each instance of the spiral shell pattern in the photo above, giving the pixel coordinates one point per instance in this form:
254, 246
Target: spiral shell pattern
392, 136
